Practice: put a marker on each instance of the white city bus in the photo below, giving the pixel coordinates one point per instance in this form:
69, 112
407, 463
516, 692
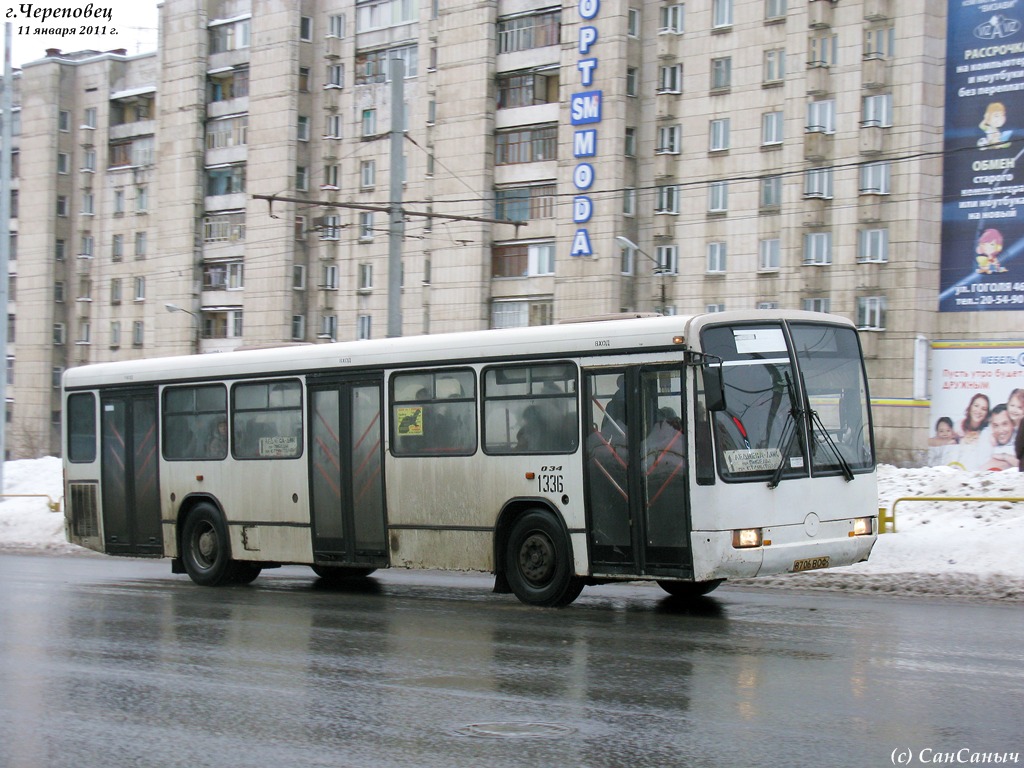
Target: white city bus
683, 450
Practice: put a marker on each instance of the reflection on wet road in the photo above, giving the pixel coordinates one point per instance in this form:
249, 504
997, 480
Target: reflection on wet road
109, 662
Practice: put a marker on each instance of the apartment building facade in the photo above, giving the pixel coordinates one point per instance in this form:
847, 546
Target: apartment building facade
593, 157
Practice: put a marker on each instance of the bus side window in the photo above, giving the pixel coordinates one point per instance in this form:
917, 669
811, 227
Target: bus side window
267, 420
81, 427
434, 414
190, 418
531, 409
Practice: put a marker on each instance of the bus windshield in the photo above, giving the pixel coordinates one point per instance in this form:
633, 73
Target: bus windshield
796, 402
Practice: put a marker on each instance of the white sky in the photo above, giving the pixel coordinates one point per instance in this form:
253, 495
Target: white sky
132, 25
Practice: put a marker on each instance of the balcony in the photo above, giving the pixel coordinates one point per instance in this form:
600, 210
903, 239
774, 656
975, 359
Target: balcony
872, 139
817, 145
877, 10
818, 79
875, 72
869, 209
815, 212
820, 14
332, 47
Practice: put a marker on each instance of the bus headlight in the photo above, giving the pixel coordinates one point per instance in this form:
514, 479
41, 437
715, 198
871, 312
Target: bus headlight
863, 526
745, 538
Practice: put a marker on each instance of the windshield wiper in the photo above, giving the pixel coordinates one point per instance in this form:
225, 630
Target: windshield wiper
790, 431
820, 430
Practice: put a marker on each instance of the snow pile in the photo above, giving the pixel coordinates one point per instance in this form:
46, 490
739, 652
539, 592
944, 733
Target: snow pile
967, 549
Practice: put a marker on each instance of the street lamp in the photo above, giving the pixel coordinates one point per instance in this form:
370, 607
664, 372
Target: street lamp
660, 270
195, 322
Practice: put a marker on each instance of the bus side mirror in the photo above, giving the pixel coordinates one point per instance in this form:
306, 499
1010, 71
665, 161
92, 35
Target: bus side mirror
714, 387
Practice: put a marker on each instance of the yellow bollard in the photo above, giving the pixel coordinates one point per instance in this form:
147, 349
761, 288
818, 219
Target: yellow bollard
886, 520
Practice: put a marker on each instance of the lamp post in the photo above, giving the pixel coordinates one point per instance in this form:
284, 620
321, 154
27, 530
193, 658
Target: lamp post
195, 322
659, 270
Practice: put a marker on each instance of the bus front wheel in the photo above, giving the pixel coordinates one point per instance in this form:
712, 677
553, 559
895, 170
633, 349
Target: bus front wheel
205, 549
538, 562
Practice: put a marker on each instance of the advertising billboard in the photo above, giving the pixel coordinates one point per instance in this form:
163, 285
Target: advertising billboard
977, 404
983, 192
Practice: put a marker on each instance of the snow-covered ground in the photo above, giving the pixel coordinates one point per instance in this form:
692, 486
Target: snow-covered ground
964, 549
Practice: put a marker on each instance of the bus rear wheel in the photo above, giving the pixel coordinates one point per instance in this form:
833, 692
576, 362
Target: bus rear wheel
538, 562
690, 589
205, 548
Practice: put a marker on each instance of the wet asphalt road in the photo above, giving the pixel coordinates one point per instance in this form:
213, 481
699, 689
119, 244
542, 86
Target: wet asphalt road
107, 662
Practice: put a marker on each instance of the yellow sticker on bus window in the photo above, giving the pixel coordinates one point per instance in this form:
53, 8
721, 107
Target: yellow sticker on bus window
410, 420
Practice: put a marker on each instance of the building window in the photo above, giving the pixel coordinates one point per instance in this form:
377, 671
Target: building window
817, 305
138, 333
871, 313
119, 205
85, 249
629, 143
365, 226
299, 277
668, 199
536, 201
821, 50
873, 245
117, 248
298, 327
629, 201
716, 258
330, 227
771, 128
526, 90
769, 254
63, 120
84, 332
524, 32
224, 227
330, 177
670, 140
140, 289
328, 327
226, 180
367, 174
223, 276
721, 73
774, 9
526, 145
332, 127
63, 162
329, 277
364, 325
305, 81
381, 14
670, 78
874, 178
523, 260
335, 76
89, 118
62, 205
721, 13
368, 122
774, 66
302, 128
626, 258
141, 199
115, 334
671, 18
520, 314
141, 245
336, 25
880, 43
59, 334
712, 308
305, 28
818, 248
229, 36
301, 178
821, 116
632, 81
633, 22
818, 183
767, 305
877, 111
718, 197
719, 135
88, 203
771, 193
366, 277
373, 66
667, 257
115, 291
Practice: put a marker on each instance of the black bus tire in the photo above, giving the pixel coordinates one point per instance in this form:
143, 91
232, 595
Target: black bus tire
205, 548
538, 562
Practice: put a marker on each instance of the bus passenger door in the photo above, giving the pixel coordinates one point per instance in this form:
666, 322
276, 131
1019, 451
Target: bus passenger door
637, 472
346, 484
131, 493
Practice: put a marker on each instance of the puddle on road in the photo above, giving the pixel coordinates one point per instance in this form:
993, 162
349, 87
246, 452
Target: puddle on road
515, 730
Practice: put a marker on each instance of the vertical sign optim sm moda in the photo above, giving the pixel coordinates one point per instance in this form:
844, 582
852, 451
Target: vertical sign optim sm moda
983, 181
585, 116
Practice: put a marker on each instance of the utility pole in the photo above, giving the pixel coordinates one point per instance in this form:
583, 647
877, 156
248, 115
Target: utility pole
6, 137
396, 226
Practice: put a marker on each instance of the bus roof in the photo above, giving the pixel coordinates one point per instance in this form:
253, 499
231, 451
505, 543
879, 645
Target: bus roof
570, 339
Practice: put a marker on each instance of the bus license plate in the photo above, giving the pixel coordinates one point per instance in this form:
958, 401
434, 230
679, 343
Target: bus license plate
810, 564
